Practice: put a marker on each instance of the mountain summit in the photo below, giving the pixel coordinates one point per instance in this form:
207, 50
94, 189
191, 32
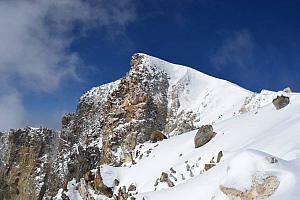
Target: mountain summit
163, 131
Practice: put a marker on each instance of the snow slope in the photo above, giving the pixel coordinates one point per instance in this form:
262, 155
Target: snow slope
245, 140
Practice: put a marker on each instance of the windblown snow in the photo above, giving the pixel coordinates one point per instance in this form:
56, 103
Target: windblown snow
254, 139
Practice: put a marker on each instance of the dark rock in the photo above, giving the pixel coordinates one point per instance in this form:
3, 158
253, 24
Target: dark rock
272, 159
281, 102
172, 170
132, 187
116, 182
157, 136
209, 166
220, 155
204, 135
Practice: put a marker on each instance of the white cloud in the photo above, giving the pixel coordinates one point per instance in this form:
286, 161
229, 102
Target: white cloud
12, 112
35, 37
235, 51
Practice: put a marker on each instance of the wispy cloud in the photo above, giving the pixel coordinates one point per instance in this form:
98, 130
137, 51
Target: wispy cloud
12, 113
35, 37
236, 51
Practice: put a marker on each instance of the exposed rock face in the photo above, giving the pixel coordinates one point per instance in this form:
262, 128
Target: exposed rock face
260, 189
117, 115
281, 101
204, 135
26, 165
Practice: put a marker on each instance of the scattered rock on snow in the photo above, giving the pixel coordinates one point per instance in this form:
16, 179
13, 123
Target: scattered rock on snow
165, 178
204, 135
281, 101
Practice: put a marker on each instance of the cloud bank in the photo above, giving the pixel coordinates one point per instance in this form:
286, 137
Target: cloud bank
35, 37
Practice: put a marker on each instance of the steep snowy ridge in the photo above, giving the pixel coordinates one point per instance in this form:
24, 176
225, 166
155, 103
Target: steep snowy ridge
198, 95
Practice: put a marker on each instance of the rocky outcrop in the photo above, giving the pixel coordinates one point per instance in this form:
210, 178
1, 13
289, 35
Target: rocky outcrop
204, 135
119, 115
260, 189
27, 162
281, 101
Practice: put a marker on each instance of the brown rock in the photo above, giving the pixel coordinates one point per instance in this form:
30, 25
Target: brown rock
65, 185
204, 135
99, 185
88, 176
281, 101
165, 178
157, 136
260, 189
209, 166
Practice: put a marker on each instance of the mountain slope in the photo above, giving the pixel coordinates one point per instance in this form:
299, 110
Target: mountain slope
111, 148
247, 142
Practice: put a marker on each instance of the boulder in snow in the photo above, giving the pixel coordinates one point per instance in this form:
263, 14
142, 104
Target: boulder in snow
157, 136
281, 101
165, 178
260, 189
209, 166
204, 135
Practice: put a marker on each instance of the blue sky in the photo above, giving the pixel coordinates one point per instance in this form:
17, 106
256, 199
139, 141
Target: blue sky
53, 51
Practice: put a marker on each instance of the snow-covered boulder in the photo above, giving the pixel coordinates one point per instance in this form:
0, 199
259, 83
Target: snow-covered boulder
260, 189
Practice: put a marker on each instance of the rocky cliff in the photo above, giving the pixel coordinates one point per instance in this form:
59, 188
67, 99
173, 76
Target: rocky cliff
27, 161
154, 97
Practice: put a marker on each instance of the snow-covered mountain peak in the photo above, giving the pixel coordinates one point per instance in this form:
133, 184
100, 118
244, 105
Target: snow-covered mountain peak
192, 93
175, 71
111, 148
